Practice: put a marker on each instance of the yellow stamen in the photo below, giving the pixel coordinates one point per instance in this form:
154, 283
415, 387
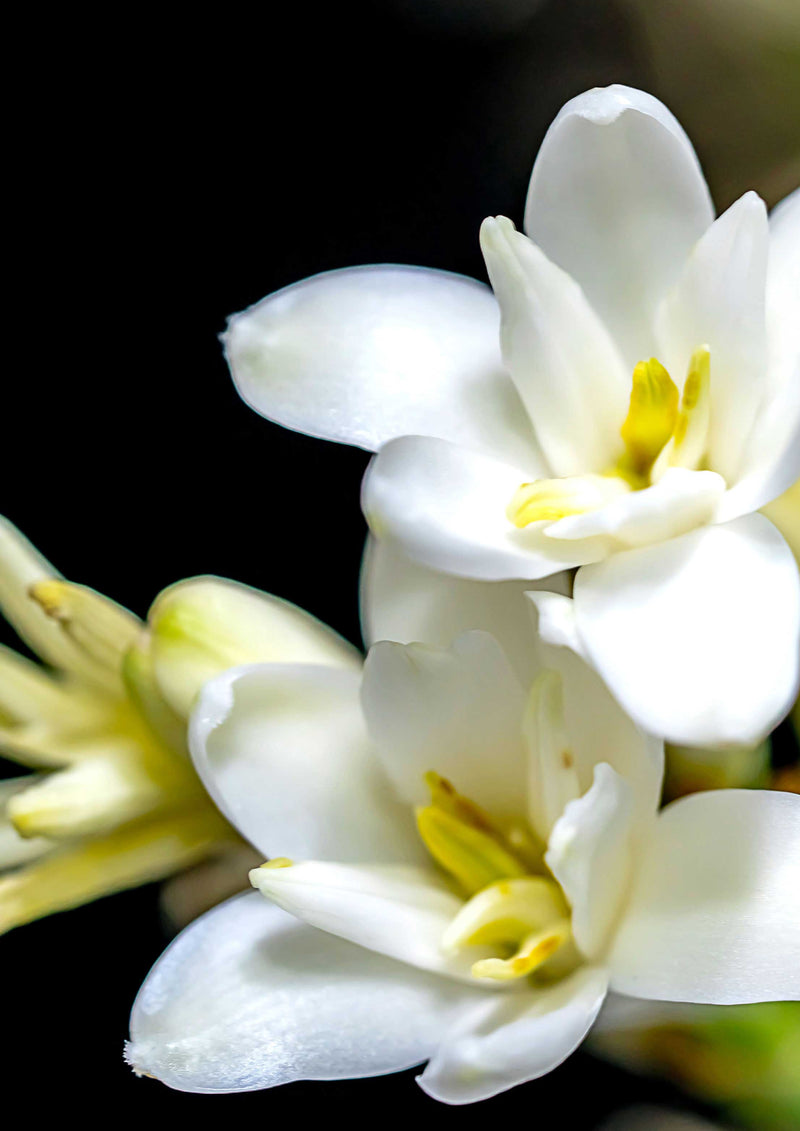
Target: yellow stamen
651, 420
551, 499
691, 431
461, 838
278, 862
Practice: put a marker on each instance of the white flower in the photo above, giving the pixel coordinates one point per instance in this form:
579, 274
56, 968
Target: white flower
646, 403
483, 936
114, 800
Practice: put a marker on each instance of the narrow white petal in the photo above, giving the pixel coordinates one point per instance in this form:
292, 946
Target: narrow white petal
566, 367
284, 753
249, 998
370, 353
590, 854
719, 302
553, 776
597, 727
505, 1041
680, 501
617, 198
713, 916
401, 912
404, 601
445, 507
457, 711
21, 566
783, 287
698, 637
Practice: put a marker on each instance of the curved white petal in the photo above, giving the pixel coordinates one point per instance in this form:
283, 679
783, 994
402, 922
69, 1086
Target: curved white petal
404, 601
563, 362
698, 637
369, 353
507, 1040
590, 853
597, 727
247, 998
401, 912
719, 302
445, 506
680, 501
713, 916
783, 287
204, 625
457, 711
617, 199
284, 753
771, 460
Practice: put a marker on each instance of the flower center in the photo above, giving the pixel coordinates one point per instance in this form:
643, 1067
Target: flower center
522, 915
662, 429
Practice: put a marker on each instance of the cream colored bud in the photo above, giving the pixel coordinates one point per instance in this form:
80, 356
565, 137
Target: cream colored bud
201, 627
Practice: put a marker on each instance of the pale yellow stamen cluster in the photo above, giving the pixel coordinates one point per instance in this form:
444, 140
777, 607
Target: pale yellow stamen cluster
523, 915
662, 429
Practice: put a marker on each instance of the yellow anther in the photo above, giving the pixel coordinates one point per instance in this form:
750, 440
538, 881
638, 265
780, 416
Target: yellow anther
651, 420
461, 838
278, 862
506, 912
551, 499
691, 430
534, 950
100, 627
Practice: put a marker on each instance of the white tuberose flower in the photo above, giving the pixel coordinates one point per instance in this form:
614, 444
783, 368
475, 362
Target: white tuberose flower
646, 402
483, 937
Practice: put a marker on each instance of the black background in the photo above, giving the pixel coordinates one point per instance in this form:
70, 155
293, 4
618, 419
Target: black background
164, 174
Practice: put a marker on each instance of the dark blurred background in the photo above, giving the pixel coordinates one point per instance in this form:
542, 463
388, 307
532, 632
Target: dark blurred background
168, 171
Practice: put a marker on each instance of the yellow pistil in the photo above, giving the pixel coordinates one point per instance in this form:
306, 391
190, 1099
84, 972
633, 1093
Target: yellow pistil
533, 951
461, 838
650, 423
551, 499
526, 916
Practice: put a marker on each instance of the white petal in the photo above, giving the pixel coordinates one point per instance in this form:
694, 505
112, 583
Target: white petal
680, 501
457, 711
403, 601
563, 362
202, 626
698, 637
248, 998
719, 302
401, 912
597, 727
284, 753
783, 287
370, 353
590, 854
617, 198
713, 916
507, 1040
445, 506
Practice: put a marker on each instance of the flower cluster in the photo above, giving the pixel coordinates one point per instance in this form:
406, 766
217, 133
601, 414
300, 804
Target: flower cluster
567, 567
467, 860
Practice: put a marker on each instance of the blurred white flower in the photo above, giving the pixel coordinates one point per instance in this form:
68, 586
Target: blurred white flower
553, 456
484, 935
